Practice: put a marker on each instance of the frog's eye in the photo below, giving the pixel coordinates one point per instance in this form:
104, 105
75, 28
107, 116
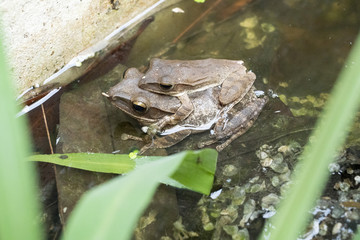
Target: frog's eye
166, 87
139, 107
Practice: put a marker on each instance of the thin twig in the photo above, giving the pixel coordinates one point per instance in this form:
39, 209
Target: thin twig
196, 21
47, 129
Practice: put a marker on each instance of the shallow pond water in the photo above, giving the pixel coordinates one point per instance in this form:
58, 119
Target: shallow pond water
295, 48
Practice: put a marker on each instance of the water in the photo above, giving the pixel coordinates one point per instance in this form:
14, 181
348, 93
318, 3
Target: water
295, 48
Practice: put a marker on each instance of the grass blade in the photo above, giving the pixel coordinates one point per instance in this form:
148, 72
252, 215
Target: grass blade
19, 207
311, 174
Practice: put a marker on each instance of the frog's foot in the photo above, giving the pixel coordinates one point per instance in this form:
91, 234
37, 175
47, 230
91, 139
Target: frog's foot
151, 130
206, 143
166, 141
221, 147
156, 128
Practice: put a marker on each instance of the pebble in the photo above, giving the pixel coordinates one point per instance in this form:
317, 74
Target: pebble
257, 187
336, 229
266, 162
344, 186
279, 168
270, 201
337, 211
249, 208
209, 226
230, 170
263, 155
285, 150
353, 215
323, 228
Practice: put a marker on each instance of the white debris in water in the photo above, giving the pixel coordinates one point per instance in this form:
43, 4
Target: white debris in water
145, 129
269, 214
215, 194
357, 180
177, 10
259, 93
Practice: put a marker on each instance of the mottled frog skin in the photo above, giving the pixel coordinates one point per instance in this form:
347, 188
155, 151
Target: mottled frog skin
173, 119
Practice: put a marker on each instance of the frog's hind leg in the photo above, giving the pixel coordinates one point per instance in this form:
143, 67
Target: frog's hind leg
221, 147
244, 119
235, 87
166, 141
245, 127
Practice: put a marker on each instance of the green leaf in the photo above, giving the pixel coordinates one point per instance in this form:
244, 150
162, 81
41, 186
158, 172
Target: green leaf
199, 1
195, 172
111, 210
19, 208
96, 162
312, 173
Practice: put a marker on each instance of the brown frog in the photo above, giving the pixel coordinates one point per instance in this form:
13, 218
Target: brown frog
182, 77
230, 120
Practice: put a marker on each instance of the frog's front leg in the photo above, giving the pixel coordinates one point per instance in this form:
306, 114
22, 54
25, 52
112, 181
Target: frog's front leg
182, 113
236, 86
166, 141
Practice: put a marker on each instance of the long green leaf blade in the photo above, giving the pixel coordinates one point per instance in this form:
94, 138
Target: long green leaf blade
97, 162
110, 211
329, 135
193, 173
19, 208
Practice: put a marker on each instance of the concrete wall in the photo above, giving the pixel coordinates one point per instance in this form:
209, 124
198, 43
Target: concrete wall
42, 36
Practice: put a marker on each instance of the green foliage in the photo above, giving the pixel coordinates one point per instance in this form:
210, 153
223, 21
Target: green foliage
196, 171
199, 1
19, 206
312, 172
111, 210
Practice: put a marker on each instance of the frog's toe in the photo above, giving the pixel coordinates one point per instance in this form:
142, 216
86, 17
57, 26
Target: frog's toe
144, 149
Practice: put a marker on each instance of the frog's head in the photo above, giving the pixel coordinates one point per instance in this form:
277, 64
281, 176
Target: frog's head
146, 107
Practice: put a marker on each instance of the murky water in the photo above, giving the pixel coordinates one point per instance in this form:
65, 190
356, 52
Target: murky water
295, 48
